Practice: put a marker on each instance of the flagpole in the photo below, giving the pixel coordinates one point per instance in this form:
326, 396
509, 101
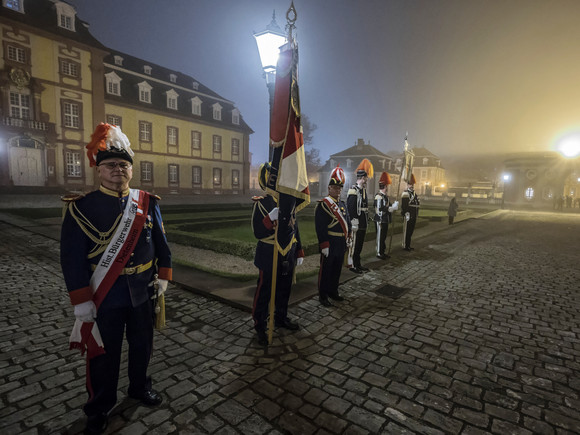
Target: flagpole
403, 168
272, 305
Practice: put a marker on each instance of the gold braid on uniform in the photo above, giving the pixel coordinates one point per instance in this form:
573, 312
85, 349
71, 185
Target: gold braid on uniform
101, 239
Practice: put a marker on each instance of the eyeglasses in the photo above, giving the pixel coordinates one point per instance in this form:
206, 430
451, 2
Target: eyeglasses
113, 165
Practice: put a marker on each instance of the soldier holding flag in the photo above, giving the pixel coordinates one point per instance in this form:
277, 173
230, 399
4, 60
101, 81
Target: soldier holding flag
410, 212
383, 214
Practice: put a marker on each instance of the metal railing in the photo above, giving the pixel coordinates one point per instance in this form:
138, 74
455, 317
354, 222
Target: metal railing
24, 123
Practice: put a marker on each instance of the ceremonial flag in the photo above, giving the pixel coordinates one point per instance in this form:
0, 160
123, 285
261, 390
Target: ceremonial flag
288, 180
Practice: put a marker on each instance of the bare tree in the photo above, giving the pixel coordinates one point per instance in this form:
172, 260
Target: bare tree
312, 154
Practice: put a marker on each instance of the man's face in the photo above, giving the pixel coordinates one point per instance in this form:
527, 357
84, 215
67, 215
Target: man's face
334, 191
362, 181
410, 186
115, 173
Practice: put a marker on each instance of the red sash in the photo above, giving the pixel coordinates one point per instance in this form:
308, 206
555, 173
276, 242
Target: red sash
333, 206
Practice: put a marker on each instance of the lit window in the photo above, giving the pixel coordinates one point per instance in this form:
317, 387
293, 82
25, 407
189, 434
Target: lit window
15, 5
144, 131
217, 112
196, 106
173, 174
113, 83
529, 193
217, 143
71, 115
145, 92
114, 120
217, 176
235, 177
196, 140
19, 105
196, 175
118, 60
16, 54
172, 78
147, 69
236, 117
147, 171
73, 163
172, 136
172, 99
69, 69
235, 147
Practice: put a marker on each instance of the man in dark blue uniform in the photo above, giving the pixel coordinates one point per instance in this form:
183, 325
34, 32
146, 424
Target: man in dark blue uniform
357, 204
333, 229
110, 259
264, 219
410, 212
383, 214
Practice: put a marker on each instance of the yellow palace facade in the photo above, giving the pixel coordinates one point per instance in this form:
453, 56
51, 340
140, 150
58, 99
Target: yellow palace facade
57, 82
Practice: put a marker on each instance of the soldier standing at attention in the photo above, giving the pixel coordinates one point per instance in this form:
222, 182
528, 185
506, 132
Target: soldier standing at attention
410, 211
333, 231
358, 210
264, 219
383, 210
114, 257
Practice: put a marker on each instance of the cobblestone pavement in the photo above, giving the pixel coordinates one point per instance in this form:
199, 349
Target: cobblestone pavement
485, 337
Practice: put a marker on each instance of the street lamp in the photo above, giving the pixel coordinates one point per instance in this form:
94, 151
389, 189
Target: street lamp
269, 42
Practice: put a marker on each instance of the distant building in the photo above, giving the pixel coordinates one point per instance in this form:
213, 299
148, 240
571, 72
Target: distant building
57, 82
429, 174
350, 158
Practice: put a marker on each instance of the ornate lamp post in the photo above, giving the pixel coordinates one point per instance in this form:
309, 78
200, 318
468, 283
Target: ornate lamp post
269, 42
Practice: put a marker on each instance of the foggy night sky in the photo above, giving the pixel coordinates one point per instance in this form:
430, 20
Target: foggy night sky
461, 76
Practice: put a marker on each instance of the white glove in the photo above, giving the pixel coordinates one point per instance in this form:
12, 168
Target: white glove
162, 286
86, 311
299, 261
273, 214
325, 251
394, 206
354, 223
407, 216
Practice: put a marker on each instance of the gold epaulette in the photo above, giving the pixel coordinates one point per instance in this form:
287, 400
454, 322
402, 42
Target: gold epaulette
352, 191
71, 197
257, 198
157, 197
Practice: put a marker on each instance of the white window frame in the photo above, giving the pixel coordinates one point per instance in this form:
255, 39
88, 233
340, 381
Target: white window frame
196, 106
68, 68
19, 105
217, 144
195, 86
147, 172
172, 99
235, 146
113, 83
65, 16
118, 60
195, 140
172, 78
147, 69
235, 174
173, 173
236, 117
114, 120
71, 115
196, 175
145, 92
145, 131
16, 54
73, 164
217, 176
217, 111
172, 133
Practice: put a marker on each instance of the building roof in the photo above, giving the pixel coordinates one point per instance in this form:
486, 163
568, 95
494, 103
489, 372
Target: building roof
132, 73
361, 150
42, 14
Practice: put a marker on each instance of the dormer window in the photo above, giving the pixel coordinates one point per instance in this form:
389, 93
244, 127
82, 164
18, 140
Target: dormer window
172, 99
145, 92
196, 106
15, 5
147, 70
65, 16
348, 163
425, 161
172, 78
118, 60
236, 117
195, 86
217, 112
113, 83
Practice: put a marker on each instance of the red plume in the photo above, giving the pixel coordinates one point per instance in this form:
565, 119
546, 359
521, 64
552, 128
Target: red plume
97, 143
